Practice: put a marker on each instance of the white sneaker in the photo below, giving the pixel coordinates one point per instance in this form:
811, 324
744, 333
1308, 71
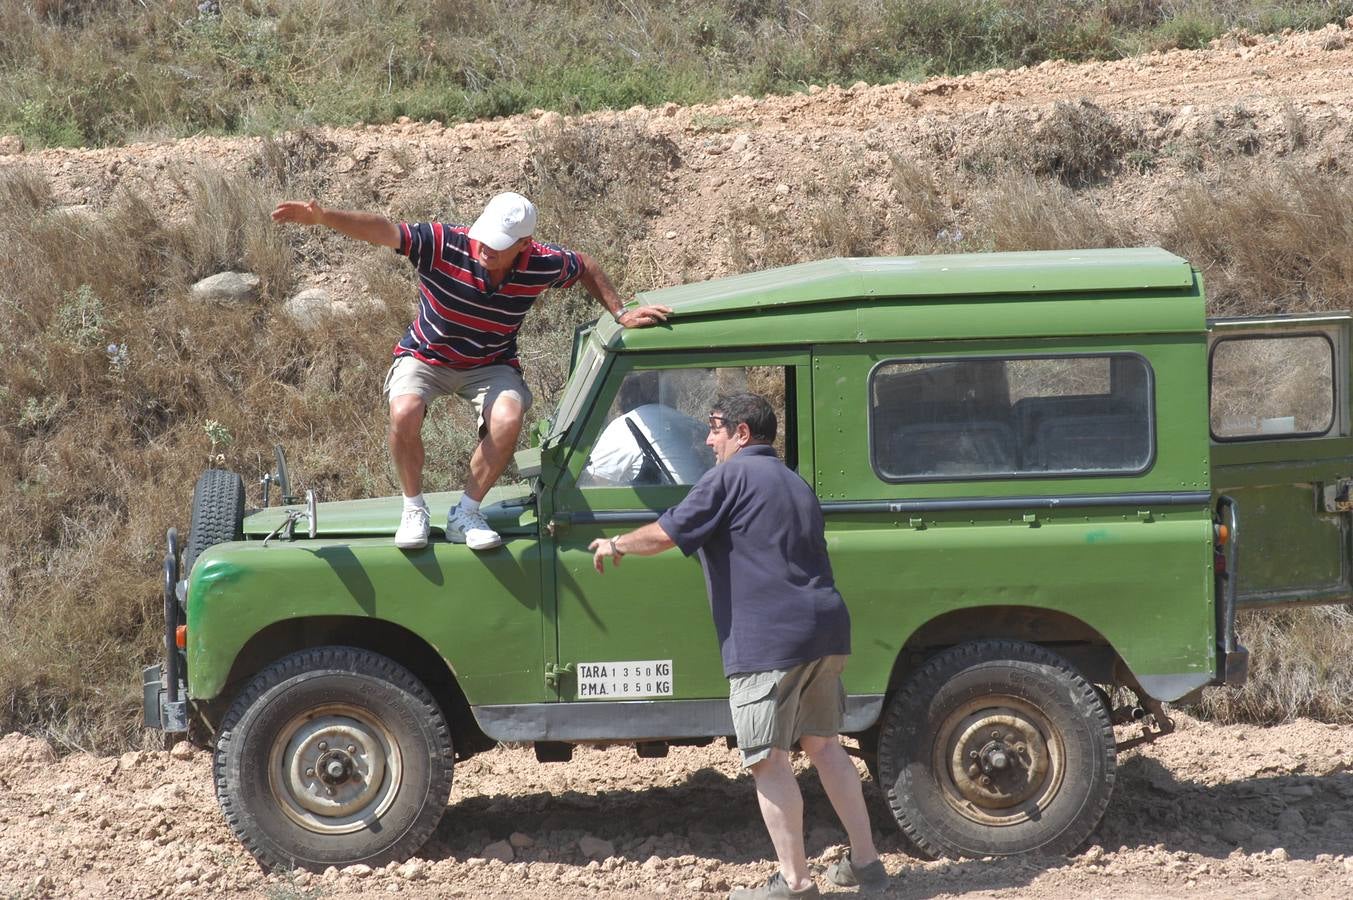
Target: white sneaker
470, 529
413, 530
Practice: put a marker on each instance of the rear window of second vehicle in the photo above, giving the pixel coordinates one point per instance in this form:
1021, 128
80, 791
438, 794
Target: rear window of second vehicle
955, 419
1272, 386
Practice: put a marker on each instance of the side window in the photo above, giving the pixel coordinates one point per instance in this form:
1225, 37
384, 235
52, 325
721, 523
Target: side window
1274, 386
1026, 416
655, 430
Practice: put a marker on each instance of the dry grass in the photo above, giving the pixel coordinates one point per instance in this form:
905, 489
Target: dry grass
110, 371
924, 218
604, 182
1078, 144
1025, 213
1269, 241
1301, 664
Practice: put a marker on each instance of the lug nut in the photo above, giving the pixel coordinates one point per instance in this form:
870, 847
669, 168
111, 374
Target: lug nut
986, 781
351, 748
972, 771
309, 773
323, 745
972, 754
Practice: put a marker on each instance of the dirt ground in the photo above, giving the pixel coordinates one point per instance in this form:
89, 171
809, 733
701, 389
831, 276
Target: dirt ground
1209, 812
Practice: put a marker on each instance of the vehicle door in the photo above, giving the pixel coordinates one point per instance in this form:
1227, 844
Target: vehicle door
1281, 448
643, 630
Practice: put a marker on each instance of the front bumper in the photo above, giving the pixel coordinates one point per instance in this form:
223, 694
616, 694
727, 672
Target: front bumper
158, 711
164, 688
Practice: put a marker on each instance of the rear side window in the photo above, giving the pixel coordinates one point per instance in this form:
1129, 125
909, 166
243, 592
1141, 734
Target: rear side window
1272, 387
956, 419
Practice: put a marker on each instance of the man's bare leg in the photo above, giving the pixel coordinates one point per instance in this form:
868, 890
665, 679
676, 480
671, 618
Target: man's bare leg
490, 458
406, 441
782, 810
841, 780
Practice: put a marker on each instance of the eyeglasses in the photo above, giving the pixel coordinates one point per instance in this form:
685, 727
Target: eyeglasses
717, 423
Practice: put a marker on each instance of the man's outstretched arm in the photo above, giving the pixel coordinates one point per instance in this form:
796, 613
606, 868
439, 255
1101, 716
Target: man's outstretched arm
648, 540
370, 227
599, 286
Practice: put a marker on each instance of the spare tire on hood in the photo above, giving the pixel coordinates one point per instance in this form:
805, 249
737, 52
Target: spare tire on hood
218, 514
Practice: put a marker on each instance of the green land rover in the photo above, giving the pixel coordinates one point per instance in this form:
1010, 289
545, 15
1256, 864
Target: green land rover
1048, 480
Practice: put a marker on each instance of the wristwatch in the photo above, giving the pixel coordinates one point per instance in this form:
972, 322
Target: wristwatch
615, 551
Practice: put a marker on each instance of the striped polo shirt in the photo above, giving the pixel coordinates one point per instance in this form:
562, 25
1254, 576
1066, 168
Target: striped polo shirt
461, 323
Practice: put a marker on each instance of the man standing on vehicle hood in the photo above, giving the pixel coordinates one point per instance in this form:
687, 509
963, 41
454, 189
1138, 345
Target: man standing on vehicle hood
475, 286
784, 633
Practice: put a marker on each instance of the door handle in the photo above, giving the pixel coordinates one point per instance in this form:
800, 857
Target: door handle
555, 672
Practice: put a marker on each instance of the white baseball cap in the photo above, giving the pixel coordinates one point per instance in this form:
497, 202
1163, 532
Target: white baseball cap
506, 219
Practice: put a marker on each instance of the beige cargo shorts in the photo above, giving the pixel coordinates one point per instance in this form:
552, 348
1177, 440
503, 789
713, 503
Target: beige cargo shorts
481, 386
776, 708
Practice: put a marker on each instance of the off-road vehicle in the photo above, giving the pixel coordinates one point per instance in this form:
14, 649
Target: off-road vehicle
1048, 480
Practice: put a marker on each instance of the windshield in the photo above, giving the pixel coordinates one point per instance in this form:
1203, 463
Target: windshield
577, 389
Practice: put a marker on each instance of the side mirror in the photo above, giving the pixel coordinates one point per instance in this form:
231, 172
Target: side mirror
280, 477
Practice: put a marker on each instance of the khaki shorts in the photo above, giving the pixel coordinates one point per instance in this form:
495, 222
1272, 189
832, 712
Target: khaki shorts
480, 386
776, 708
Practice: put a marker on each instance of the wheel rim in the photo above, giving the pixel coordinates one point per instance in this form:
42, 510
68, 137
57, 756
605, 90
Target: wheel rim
999, 760
334, 769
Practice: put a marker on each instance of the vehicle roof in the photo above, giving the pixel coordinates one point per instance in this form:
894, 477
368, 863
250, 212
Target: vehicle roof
1061, 275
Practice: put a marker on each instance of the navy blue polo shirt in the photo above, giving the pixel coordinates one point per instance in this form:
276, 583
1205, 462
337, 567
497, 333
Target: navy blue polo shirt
758, 528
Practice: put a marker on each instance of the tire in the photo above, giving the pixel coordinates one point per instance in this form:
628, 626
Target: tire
1006, 702
275, 735
217, 515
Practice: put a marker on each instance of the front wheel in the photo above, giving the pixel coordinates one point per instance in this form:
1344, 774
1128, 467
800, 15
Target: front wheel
333, 756
997, 748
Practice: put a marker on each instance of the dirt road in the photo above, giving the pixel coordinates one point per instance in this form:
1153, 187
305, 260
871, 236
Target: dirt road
1206, 812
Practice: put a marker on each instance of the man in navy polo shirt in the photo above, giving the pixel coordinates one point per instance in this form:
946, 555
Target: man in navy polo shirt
784, 633
475, 286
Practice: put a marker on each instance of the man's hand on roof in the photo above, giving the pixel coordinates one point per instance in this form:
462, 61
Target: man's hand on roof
644, 316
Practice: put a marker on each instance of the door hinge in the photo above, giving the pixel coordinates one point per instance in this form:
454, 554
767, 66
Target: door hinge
559, 522
554, 673
1335, 496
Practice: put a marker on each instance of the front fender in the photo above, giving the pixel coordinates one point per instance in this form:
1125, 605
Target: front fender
480, 611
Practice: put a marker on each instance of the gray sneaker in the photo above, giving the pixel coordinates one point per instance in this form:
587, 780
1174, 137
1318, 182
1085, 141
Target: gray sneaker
470, 529
844, 873
775, 889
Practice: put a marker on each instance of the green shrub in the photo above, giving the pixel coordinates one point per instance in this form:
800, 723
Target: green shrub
79, 319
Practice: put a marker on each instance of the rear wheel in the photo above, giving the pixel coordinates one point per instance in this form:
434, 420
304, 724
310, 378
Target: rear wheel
997, 748
217, 515
331, 757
